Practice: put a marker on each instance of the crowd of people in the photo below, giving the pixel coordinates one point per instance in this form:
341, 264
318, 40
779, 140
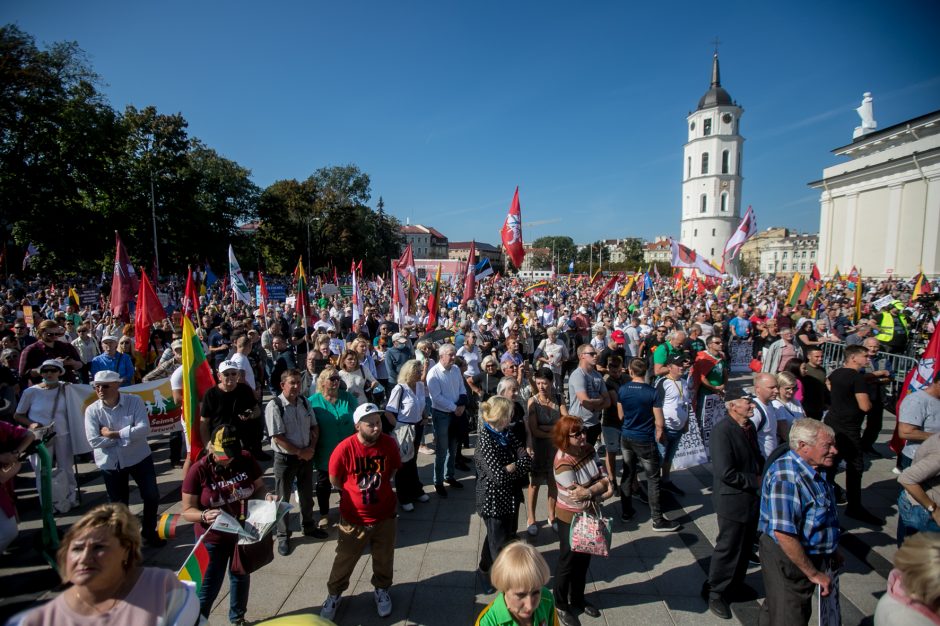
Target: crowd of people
585, 393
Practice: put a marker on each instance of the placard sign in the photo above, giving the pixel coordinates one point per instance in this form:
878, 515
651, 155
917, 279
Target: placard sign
741, 354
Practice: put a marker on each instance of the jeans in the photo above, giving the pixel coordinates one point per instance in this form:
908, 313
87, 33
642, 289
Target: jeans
287, 468
445, 452
117, 484
647, 453
913, 519
668, 449
219, 556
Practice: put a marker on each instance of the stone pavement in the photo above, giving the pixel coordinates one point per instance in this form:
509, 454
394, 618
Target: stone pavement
651, 578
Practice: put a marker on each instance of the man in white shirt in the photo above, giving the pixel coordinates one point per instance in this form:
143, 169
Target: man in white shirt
765, 416
117, 426
672, 407
448, 401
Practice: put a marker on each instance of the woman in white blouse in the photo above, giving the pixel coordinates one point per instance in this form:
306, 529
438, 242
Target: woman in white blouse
406, 406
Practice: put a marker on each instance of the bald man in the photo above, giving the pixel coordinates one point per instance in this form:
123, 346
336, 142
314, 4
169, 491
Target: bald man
765, 416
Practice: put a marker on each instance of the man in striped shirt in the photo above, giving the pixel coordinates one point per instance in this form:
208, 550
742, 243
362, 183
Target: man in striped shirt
800, 525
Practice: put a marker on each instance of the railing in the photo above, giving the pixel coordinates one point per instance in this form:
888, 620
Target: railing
898, 365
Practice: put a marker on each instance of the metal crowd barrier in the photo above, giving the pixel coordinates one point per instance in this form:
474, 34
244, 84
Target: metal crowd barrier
898, 364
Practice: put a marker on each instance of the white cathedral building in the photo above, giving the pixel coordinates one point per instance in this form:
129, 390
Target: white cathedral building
711, 172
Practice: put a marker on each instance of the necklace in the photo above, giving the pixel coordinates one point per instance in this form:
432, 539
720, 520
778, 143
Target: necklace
94, 607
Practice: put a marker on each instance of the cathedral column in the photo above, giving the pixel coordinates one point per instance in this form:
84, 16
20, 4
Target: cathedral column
892, 226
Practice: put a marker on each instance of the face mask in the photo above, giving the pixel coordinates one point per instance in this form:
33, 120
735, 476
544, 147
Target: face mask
49, 381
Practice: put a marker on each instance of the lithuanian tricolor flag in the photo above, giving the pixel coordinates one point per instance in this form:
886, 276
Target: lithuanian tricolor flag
628, 287
797, 287
166, 527
197, 379
594, 278
539, 286
858, 295
195, 566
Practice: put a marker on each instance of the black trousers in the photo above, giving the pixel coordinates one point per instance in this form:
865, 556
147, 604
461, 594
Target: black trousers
849, 444
732, 550
499, 532
408, 486
323, 490
571, 573
789, 593
874, 421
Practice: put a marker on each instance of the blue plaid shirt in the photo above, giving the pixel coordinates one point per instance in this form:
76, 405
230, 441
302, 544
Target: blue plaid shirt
797, 500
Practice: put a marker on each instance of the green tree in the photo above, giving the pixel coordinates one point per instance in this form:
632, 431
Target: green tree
565, 249
632, 249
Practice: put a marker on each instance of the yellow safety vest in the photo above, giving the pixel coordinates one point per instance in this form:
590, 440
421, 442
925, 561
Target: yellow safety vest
886, 327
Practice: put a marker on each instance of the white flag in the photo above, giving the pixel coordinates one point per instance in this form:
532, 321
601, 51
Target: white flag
239, 286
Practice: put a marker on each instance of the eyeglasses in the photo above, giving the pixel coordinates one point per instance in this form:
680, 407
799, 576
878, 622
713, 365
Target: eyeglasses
333, 379
49, 370
577, 433
589, 353
229, 374
54, 334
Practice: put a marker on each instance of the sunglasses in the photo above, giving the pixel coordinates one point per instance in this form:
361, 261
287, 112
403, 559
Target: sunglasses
333, 379
577, 433
589, 353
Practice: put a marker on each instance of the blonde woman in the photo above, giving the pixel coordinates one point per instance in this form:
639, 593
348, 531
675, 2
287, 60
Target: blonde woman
913, 597
406, 405
502, 463
334, 410
357, 378
520, 574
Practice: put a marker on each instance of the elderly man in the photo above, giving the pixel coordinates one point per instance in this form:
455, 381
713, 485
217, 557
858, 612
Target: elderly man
233, 403
448, 402
587, 393
117, 426
877, 376
800, 525
114, 361
862, 330
362, 468
781, 351
736, 467
850, 403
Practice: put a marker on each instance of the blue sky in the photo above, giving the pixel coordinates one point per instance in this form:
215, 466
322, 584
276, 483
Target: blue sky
449, 105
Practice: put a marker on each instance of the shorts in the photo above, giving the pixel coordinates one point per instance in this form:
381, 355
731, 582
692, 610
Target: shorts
611, 436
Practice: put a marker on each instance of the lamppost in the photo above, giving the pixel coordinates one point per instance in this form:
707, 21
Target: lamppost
310, 220
152, 140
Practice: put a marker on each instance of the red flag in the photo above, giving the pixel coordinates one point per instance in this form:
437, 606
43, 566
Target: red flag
191, 298
149, 311
124, 283
814, 275
918, 378
301, 305
606, 288
469, 281
511, 232
433, 301
335, 276
263, 287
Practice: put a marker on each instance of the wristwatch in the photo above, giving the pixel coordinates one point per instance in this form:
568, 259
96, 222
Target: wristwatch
931, 508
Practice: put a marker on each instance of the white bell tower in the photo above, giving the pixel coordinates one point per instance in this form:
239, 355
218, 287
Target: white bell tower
711, 172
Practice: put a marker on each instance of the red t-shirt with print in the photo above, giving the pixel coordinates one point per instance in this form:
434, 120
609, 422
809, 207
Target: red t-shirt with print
366, 496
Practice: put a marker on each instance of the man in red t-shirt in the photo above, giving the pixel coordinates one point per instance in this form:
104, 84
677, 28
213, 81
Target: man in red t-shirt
362, 467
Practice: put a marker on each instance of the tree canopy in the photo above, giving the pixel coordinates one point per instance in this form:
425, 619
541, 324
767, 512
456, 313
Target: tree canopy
73, 170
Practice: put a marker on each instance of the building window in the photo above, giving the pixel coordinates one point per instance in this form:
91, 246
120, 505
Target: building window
803, 266
724, 161
704, 204
695, 233
775, 256
724, 202
812, 254
705, 163
738, 163
707, 127
784, 254
804, 254
713, 232
688, 168
783, 267
713, 252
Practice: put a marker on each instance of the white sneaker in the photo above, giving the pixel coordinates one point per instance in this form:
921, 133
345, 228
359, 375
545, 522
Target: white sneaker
424, 498
383, 603
329, 606
408, 507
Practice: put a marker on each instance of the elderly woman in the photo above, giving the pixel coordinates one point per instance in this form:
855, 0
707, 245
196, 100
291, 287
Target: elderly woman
406, 405
139, 359
357, 378
520, 574
100, 561
913, 597
552, 353
222, 481
334, 410
501, 462
581, 482
543, 412
45, 406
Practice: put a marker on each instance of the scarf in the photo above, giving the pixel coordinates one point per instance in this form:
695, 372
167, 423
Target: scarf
502, 438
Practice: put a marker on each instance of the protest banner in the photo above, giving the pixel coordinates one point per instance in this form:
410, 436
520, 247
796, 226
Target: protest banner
694, 445
741, 352
329, 289
156, 395
88, 297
